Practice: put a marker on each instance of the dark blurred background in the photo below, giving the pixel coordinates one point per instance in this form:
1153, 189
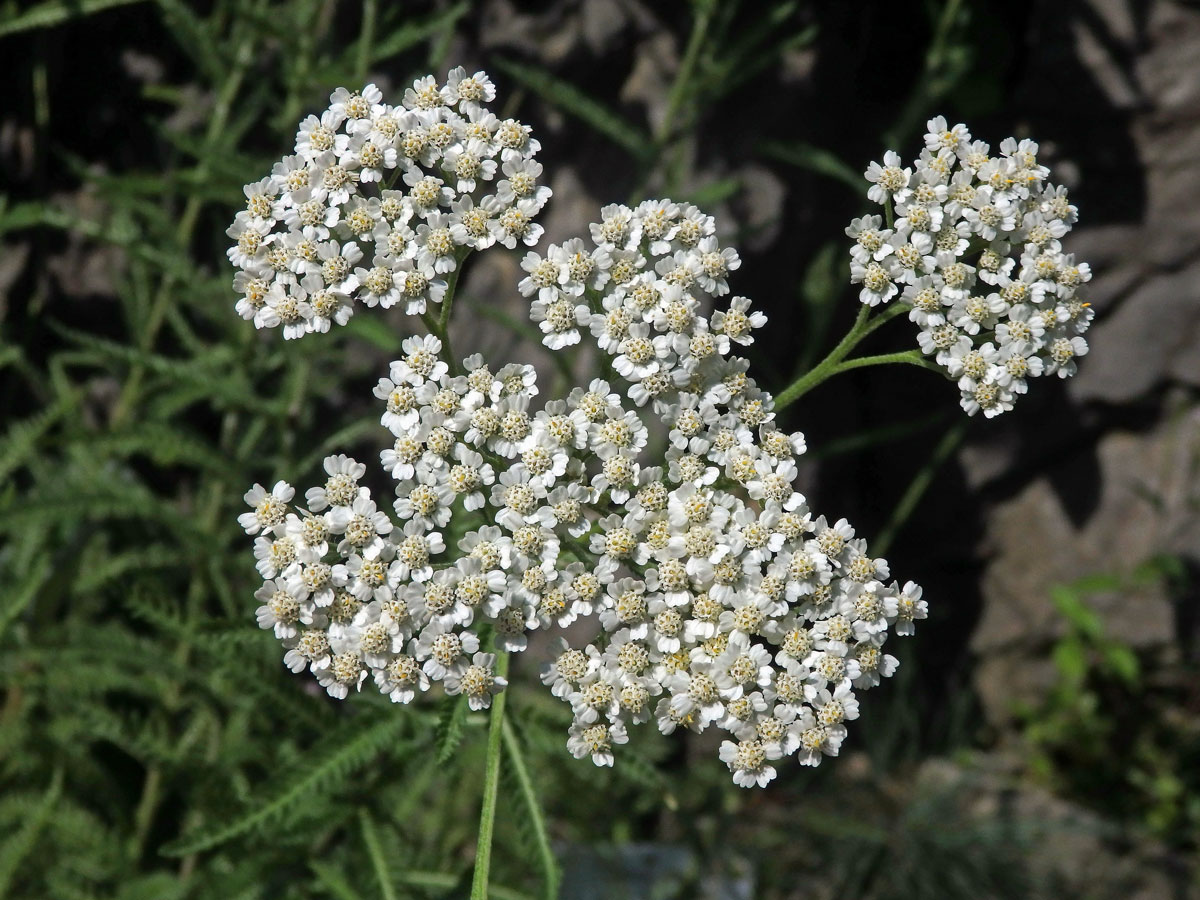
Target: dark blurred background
1043, 736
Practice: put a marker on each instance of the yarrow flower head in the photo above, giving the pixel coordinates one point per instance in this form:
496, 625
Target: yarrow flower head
972, 243
656, 502
379, 203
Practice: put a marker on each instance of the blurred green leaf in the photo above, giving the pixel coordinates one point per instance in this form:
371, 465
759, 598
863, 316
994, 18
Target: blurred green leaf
451, 727
336, 758
815, 159
411, 33
574, 102
21, 843
1070, 658
714, 193
56, 12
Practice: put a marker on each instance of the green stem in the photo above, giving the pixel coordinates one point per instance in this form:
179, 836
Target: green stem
676, 98
491, 784
451, 289
933, 82
550, 874
911, 357
147, 805
439, 323
683, 76
434, 326
920, 484
893, 310
864, 324
366, 39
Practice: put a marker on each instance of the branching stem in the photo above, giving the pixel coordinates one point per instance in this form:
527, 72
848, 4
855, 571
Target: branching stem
836, 361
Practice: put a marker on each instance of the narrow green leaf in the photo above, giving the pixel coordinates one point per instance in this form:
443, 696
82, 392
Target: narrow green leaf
820, 282
815, 159
759, 49
333, 880
819, 289
374, 331
55, 12
1123, 662
1070, 658
18, 596
119, 565
24, 215
533, 809
22, 438
214, 376
1081, 617
411, 34
338, 441
192, 34
21, 844
392, 42
378, 859
574, 102
714, 192
10, 354
163, 444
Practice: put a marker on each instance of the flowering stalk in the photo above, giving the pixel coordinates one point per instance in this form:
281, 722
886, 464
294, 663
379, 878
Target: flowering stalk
717, 598
721, 600
491, 785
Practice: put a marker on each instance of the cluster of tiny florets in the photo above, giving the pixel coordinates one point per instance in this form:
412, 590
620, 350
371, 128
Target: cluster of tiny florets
380, 203
656, 501
724, 602
351, 596
975, 249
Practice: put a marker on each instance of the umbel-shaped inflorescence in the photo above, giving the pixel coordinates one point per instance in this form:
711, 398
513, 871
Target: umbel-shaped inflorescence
973, 245
657, 502
379, 203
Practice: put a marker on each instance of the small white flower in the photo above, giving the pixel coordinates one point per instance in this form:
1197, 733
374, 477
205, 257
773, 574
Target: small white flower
890, 180
478, 681
269, 509
282, 610
596, 741
1061, 353
747, 760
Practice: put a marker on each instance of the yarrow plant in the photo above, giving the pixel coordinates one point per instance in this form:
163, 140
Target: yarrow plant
972, 247
657, 500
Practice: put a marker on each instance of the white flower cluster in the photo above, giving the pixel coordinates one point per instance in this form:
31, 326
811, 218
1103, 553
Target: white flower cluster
723, 601
349, 594
976, 251
380, 203
657, 501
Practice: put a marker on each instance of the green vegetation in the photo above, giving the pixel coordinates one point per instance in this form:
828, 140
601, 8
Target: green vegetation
151, 745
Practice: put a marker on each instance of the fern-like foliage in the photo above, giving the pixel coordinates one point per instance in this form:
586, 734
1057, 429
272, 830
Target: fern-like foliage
326, 768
